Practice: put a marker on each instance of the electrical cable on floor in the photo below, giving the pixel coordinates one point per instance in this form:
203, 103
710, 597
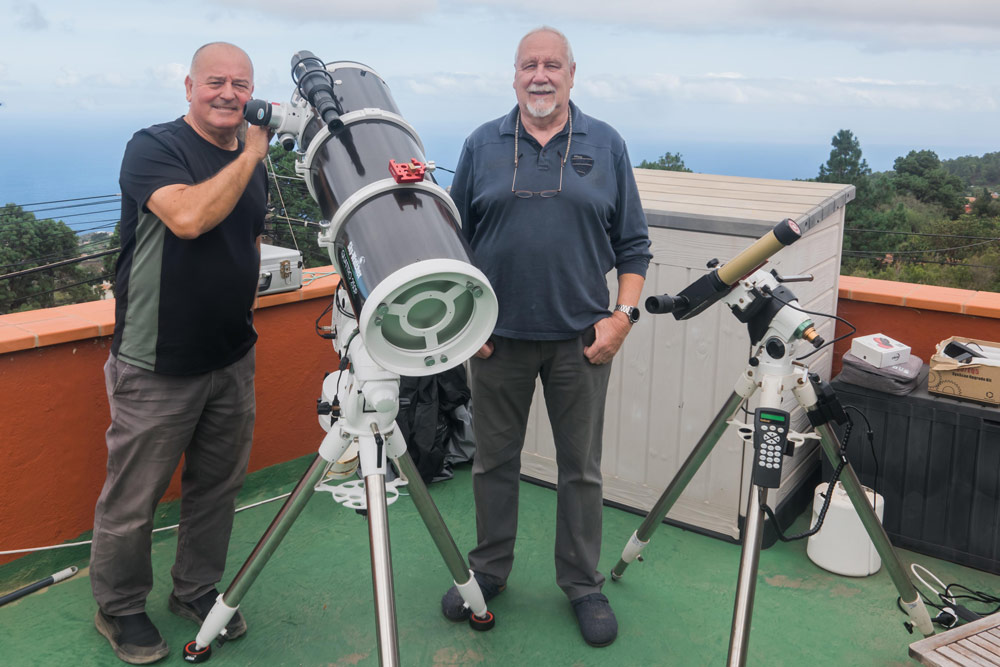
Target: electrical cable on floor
950, 611
155, 530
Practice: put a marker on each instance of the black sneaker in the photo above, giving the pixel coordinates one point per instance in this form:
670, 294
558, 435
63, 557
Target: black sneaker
133, 637
453, 606
196, 610
598, 624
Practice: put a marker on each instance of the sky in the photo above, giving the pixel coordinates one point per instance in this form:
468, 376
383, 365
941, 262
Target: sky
744, 87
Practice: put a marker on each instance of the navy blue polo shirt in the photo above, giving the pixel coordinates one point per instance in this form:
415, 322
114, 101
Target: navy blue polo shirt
547, 258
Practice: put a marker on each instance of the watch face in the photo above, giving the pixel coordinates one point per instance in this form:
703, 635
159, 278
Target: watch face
631, 312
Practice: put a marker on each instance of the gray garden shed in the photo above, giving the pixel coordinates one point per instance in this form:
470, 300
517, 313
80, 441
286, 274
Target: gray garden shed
671, 377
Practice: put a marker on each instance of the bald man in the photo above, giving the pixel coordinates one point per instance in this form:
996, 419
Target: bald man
180, 376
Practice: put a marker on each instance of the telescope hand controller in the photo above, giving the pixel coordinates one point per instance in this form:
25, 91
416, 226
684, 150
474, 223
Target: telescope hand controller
770, 436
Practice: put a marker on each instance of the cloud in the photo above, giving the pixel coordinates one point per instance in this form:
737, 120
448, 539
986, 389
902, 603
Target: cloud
386, 11
29, 16
734, 88
67, 78
881, 25
455, 85
169, 75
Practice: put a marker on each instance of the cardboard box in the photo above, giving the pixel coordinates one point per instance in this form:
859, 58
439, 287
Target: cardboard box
880, 351
974, 379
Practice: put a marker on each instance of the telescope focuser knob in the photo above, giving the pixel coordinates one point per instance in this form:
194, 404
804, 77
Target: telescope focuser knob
322, 407
712, 263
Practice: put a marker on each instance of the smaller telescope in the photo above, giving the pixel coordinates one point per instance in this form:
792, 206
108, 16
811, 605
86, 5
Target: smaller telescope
711, 287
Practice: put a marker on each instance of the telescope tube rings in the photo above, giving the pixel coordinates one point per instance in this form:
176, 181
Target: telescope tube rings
421, 305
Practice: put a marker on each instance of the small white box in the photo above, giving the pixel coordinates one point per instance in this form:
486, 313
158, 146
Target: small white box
879, 350
280, 269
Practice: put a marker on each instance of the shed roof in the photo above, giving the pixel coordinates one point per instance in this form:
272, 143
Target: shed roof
735, 205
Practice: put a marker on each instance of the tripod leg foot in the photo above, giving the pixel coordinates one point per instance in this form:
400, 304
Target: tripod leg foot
482, 623
193, 654
919, 616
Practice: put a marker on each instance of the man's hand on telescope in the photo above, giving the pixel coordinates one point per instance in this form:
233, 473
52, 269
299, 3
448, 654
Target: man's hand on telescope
257, 141
191, 210
609, 334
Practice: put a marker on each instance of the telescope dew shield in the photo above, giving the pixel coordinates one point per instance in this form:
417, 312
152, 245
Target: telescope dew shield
711, 287
421, 306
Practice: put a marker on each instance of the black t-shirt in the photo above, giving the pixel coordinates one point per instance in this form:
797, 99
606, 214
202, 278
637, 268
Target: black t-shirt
184, 307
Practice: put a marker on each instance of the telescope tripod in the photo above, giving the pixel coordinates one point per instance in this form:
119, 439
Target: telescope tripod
770, 432
368, 399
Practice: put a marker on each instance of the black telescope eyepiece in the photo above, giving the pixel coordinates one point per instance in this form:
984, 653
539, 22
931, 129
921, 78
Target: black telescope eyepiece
665, 303
315, 84
257, 112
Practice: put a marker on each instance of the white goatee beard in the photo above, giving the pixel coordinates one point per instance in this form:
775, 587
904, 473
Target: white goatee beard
539, 111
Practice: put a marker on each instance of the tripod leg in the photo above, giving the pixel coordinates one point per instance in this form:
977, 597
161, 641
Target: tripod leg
908, 594
746, 584
385, 600
199, 649
640, 538
481, 619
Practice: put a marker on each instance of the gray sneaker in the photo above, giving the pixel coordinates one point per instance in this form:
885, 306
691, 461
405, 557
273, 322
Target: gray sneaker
453, 606
133, 637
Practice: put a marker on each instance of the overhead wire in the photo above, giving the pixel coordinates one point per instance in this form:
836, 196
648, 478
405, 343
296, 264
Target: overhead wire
54, 265
26, 297
281, 198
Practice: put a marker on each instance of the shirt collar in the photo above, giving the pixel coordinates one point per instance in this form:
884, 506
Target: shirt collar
580, 124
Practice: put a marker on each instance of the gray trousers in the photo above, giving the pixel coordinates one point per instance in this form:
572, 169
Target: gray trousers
575, 390
155, 419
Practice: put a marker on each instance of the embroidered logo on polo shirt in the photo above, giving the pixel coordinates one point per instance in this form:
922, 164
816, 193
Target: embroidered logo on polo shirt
582, 164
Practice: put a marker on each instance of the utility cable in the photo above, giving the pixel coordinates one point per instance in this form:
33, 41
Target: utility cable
920, 252
61, 217
75, 260
26, 297
54, 256
60, 208
281, 198
58, 201
912, 260
927, 234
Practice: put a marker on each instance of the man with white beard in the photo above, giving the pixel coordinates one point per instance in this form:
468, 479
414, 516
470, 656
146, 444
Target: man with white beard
571, 214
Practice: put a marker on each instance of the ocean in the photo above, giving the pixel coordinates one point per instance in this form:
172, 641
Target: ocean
66, 163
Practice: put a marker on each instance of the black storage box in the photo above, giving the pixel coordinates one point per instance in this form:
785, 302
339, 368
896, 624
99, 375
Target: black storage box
938, 469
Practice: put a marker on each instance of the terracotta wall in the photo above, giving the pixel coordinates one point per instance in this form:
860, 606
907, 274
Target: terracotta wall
53, 408
920, 316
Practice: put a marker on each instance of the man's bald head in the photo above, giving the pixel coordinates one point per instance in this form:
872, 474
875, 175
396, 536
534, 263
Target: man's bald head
215, 47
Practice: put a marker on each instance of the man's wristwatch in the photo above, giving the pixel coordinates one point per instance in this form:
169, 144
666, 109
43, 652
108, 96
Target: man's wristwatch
631, 311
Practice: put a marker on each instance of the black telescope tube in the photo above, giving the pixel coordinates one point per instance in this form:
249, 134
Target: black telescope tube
315, 84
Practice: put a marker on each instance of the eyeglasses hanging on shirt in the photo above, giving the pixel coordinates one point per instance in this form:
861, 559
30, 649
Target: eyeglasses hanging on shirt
527, 194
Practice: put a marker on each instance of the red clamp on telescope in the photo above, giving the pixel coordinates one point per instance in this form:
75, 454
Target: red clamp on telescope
408, 173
